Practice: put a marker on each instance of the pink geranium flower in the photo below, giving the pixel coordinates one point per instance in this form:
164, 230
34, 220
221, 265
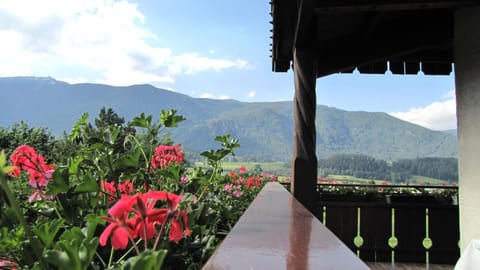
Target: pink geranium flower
183, 180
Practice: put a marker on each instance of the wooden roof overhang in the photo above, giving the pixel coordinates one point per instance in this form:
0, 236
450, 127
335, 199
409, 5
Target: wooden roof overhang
373, 36
322, 37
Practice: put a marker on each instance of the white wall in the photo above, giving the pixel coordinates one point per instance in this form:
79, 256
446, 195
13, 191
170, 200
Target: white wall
467, 82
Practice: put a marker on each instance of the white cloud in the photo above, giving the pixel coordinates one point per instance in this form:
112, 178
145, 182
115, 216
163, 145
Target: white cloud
168, 88
251, 94
207, 95
190, 63
437, 116
102, 41
449, 95
212, 96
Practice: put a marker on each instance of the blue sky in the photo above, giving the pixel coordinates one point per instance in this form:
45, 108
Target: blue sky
211, 48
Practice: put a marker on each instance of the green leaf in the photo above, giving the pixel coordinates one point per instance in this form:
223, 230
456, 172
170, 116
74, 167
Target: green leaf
215, 155
112, 134
87, 251
74, 250
76, 127
129, 160
73, 163
141, 121
223, 138
228, 143
88, 185
3, 159
171, 172
47, 231
68, 210
170, 118
147, 260
6, 170
59, 182
59, 258
92, 222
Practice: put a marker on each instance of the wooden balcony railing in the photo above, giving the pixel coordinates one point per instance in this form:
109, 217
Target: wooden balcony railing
277, 232
421, 229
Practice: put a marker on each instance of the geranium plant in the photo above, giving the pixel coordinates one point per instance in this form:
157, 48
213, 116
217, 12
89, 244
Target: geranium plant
127, 198
383, 190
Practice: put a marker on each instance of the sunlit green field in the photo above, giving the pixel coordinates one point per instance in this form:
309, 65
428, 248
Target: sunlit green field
265, 166
414, 180
282, 169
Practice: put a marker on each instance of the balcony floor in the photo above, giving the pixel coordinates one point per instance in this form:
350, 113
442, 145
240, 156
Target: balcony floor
408, 266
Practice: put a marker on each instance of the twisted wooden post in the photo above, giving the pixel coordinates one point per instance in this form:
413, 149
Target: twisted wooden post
304, 160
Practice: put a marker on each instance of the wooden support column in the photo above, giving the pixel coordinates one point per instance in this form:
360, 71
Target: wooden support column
467, 84
304, 161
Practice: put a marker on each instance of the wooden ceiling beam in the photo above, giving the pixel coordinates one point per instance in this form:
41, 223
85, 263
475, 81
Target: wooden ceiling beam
373, 31
423, 37
334, 6
305, 28
283, 29
375, 51
437, 68
373, 68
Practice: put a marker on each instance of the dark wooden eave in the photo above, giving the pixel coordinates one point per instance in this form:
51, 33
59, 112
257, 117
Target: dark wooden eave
373, 36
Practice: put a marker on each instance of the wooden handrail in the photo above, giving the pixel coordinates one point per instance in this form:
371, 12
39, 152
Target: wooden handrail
277, 232
320, 184
388, 186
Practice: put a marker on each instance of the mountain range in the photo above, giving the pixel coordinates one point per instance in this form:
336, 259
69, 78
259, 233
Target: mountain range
264, 129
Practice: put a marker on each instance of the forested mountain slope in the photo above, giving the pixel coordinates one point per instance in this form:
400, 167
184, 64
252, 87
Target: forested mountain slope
265, 130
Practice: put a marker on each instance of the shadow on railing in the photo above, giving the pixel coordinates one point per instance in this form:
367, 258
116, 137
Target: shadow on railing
417, 225
277, 232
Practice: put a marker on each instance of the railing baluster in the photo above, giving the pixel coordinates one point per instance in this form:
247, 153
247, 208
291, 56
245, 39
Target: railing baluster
358, 240
324, 216
427, 242
393, 241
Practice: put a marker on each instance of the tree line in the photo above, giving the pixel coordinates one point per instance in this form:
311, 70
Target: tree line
56, 149
357, 165
362, 166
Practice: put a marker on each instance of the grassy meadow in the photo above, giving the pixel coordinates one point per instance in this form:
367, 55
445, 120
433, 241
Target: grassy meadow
282, 170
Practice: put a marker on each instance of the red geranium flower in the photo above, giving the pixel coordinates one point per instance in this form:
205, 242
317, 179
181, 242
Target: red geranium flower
108, 188
26, 158
254, 182
146, 215
120, 230
126, 187
145, 218
179, 218
166, 155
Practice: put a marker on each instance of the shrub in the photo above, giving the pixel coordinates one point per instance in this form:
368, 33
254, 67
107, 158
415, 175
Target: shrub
125, 198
